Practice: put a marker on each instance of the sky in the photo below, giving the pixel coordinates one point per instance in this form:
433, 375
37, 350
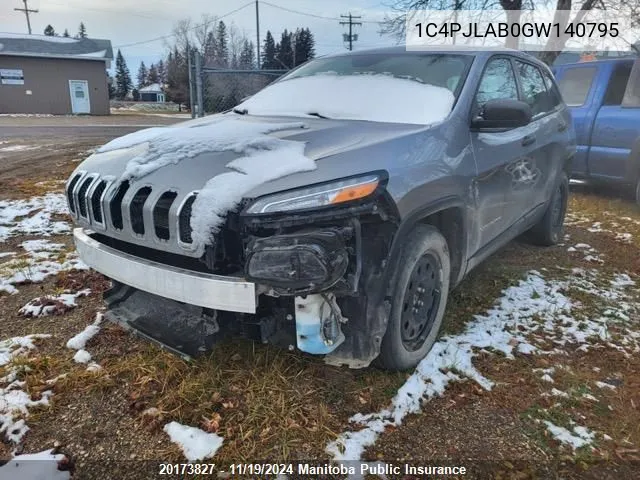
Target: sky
125, 22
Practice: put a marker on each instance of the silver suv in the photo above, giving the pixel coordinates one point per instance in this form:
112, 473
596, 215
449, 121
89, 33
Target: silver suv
333, 210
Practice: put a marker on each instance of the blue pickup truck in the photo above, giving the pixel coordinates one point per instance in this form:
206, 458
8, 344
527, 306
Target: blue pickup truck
604, 99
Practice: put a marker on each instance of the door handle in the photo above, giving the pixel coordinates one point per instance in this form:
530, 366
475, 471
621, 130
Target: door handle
528, 140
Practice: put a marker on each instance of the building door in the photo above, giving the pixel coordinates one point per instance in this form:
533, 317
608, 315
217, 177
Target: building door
79, 90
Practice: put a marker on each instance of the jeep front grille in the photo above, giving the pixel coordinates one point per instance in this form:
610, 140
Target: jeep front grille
143, 215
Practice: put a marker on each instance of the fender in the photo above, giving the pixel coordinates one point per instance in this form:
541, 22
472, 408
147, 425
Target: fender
407, 225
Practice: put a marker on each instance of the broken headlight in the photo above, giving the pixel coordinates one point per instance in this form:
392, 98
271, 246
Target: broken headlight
316, 196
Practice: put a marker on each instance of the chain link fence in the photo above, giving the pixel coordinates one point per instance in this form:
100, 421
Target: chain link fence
224, 89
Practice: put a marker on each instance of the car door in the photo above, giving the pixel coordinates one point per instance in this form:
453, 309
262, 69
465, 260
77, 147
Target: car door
494, 151
543, 148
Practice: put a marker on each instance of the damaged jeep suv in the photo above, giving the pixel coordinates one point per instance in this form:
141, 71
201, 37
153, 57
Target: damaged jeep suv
334, 209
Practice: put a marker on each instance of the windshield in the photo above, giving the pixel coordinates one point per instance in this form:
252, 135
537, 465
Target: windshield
399, 88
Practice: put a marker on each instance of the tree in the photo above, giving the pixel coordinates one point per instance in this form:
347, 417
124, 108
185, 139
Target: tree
269, 53
284, 51
395, 24
304, 46
143, 75
123, 77
135, 94
66, 33
49, 31
247, 56
111, 87
82, 31
222, 46
177, 78
162, 72
153, 76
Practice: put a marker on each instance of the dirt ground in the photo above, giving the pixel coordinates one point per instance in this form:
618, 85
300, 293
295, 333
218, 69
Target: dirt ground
272, 405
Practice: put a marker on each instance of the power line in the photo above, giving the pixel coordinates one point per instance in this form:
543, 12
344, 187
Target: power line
298, 12
163, 37
26, 11
350, 37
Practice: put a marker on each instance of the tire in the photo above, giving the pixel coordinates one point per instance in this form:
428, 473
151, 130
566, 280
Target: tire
405, 342
548, 231
637, 192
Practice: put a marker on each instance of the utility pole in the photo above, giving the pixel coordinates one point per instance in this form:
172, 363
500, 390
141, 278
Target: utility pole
191, 95
258, 63
350, 37
26, 11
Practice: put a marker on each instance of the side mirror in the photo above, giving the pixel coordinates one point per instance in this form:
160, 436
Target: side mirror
503, 113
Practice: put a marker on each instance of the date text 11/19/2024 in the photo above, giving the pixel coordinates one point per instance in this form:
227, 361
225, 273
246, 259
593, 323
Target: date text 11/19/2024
301, 469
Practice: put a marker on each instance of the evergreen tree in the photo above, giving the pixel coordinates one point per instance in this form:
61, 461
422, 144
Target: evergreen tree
284, 51
269, 52
135, 94
143, 75
304, 48
66, 33
123, 77
177, 77
247, 57
82, 31
111, 87
221, 46
162, 72
209, 49
153, 76
49, 31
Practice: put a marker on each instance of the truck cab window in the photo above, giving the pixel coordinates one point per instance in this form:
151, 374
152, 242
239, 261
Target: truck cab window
575, 85
617, 84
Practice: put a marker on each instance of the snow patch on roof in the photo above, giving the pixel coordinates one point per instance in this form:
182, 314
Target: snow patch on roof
154, 87
196, 444
376, 98
100, 54
44, 38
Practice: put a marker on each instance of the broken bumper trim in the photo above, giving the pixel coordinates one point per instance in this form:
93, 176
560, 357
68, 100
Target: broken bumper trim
232, 294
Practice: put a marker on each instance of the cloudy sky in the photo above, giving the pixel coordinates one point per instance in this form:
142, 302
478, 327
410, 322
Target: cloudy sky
125, 22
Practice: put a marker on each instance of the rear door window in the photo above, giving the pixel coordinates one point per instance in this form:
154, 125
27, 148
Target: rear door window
632, 94
534, 89
617, 84
575, 85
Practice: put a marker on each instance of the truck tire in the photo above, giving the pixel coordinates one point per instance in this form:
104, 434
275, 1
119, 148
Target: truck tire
548, 231
419, 299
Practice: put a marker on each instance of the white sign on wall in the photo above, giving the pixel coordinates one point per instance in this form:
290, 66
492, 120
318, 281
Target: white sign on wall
11, 76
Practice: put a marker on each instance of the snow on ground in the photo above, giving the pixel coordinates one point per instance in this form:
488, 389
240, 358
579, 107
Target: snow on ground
52, 304
15, 402
196, 444
79, 341
33, 216
18, 148
353, 97
580, 437
34, 466
527, 318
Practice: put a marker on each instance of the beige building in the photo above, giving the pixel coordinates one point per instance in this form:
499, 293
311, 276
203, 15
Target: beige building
54, 75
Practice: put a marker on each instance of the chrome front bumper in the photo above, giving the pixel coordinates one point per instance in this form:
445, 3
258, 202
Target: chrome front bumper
195, 288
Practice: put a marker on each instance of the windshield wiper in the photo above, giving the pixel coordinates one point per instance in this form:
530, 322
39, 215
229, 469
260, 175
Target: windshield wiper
316, 114
244, 111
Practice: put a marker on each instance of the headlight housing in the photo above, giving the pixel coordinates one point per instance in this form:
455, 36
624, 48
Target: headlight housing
317, 196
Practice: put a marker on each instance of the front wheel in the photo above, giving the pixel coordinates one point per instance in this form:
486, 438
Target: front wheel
419, 299
548, 231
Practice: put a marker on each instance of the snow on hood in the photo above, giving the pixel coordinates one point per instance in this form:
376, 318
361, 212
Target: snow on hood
376, 98
262, 158
161, 146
